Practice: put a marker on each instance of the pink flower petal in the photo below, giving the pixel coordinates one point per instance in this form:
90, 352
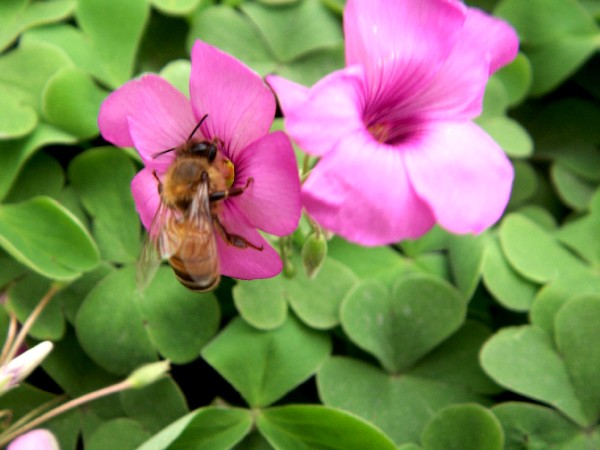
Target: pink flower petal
162, 116
331, 111
400, 43
289, 94
493, 37
249, 263
462, 174
272, 201
457, 90
362, 193
239, 104
144, 189
38, 439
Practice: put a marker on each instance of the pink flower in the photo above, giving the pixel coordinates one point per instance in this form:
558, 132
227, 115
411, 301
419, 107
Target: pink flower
39, 439
151, 115
398, 151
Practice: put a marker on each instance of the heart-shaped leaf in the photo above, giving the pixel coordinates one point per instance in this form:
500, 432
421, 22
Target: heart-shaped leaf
400, 406
25, 295
399, 326
315, 426
17, 16
42, 175
127, 432
273, 363
576, 326
115, 29
540, 427
71, 101
165, 318
210, 428
263, 303
140, 404
467, 254
516, 356
533, 252
102, 178
16, 152
465, 427
46, 237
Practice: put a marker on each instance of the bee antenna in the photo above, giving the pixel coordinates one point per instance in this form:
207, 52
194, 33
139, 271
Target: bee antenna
196, 127
156, 155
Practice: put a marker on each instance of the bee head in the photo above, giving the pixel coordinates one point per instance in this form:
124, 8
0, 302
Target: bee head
206, 149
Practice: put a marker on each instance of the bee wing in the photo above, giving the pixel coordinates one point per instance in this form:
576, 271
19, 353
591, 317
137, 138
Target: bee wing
199, 233
161, 242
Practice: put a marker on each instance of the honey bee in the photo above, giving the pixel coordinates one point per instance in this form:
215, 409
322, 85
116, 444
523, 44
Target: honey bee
183, 228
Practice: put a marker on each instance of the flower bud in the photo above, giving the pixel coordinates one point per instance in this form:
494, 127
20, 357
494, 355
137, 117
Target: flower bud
19, 368
148, 374
39, 439
314, 252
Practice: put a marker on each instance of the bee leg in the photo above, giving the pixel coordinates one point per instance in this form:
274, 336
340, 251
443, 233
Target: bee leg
231, 192
160, 186
234, 239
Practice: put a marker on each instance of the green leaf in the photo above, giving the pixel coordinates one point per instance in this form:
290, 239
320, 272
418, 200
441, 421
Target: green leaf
165, 318
380, 263
140, 404
294, 30
555, 294
178, 74
580, 236
206, 428
468, 427
509, 288
214, 24
17, 118
18, 15
515, 357
11, 269
71, 101
15, 153
400, 326
28, 68
115, 29
176, 7
575, 328
467, 255
178, 321
456, 361
525, 184
537, 425
117, 434
533, 252
574, 191
102, 178
42, 175
516, 79
311, 67
509, 134
297, 427
25, 295
273, 363
557, 36
47, 238
262, 303
398, 405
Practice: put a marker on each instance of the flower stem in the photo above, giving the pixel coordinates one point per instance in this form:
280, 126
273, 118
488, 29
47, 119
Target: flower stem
10, 337
54, 288
13, 432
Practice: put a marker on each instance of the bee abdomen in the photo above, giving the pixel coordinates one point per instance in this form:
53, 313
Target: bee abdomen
194, 274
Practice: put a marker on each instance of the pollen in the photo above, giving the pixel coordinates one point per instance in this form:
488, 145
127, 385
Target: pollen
228, 171
380, 131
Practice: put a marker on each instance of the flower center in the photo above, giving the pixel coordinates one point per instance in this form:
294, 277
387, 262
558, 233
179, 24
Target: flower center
380, 131
228, 171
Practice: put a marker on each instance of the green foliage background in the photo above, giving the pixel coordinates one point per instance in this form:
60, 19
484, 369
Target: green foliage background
446, 342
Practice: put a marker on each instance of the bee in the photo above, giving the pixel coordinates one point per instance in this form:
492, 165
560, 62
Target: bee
184, 225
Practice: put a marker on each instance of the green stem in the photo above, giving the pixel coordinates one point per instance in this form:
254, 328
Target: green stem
12, 432
54, 288
10, 337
